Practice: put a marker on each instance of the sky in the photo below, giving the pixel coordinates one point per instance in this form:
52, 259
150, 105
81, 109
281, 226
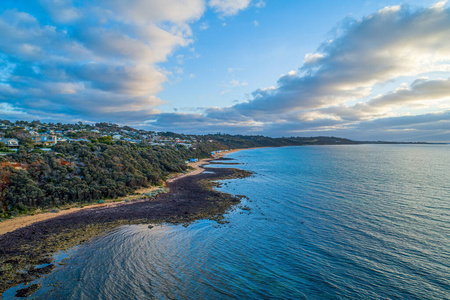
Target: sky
364, 70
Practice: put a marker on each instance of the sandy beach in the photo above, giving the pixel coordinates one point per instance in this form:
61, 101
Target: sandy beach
23, 221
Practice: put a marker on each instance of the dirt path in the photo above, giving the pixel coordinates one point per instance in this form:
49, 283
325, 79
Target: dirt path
23, 221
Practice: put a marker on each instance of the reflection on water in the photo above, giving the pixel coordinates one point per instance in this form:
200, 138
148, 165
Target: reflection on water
325, 222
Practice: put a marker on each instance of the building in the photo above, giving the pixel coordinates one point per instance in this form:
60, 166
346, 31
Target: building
12, 143
77, 140
48, 140
185, 144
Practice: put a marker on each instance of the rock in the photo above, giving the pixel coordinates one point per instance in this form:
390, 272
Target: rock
25, 292
40, 271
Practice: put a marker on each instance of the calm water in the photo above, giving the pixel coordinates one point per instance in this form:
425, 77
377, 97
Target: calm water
328, 222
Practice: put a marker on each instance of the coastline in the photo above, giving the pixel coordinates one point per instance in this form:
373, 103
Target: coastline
192, 197
13, 224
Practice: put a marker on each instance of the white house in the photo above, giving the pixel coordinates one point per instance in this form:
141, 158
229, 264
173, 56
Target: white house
10, 142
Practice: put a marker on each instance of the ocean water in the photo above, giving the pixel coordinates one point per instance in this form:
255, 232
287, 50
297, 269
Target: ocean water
325, 222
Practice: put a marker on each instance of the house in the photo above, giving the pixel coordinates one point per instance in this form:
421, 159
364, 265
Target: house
10, 142
132, 140
33, 133
77, 140
48, 140
117, 137
193, 160
185, 144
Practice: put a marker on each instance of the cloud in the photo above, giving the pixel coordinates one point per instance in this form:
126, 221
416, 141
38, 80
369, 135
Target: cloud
260, 4
311, 58
236, 83
204, 26
421, 93
86, 57
395, 42
228, 7
391, 43
69, 60
421, 90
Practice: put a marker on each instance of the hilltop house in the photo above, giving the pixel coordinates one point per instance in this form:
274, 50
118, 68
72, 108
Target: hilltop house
48, 140
10, 142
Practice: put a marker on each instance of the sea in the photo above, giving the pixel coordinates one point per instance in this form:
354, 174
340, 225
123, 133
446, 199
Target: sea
320, 222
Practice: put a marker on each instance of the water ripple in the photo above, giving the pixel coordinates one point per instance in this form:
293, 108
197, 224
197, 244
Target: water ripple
358, 222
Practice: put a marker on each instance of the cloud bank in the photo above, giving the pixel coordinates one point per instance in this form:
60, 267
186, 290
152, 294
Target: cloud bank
68, 60
333, 90
88, 58
84, 59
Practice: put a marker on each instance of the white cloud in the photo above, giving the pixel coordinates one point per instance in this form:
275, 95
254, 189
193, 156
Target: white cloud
440, 5
311, 58
96, 56
260, 4
391, 44
390, 9
228, 7
236, 83
204, 26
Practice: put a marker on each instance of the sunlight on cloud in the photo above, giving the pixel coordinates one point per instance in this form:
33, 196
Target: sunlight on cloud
393, 43
88, 58
311, 58
95, 56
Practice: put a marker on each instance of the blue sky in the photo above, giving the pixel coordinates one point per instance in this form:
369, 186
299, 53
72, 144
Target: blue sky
367, 70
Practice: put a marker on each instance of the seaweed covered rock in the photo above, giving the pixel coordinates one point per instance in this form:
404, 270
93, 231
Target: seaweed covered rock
25, 292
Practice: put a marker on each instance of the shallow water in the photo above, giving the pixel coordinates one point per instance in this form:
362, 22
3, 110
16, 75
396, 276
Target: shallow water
325, 222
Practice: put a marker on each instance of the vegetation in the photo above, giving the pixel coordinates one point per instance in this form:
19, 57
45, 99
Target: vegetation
84, 172
102, 166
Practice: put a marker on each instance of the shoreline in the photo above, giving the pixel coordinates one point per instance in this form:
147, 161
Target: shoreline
27, 253
11, 225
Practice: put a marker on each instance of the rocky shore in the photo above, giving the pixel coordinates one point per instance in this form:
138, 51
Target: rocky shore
190, 198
